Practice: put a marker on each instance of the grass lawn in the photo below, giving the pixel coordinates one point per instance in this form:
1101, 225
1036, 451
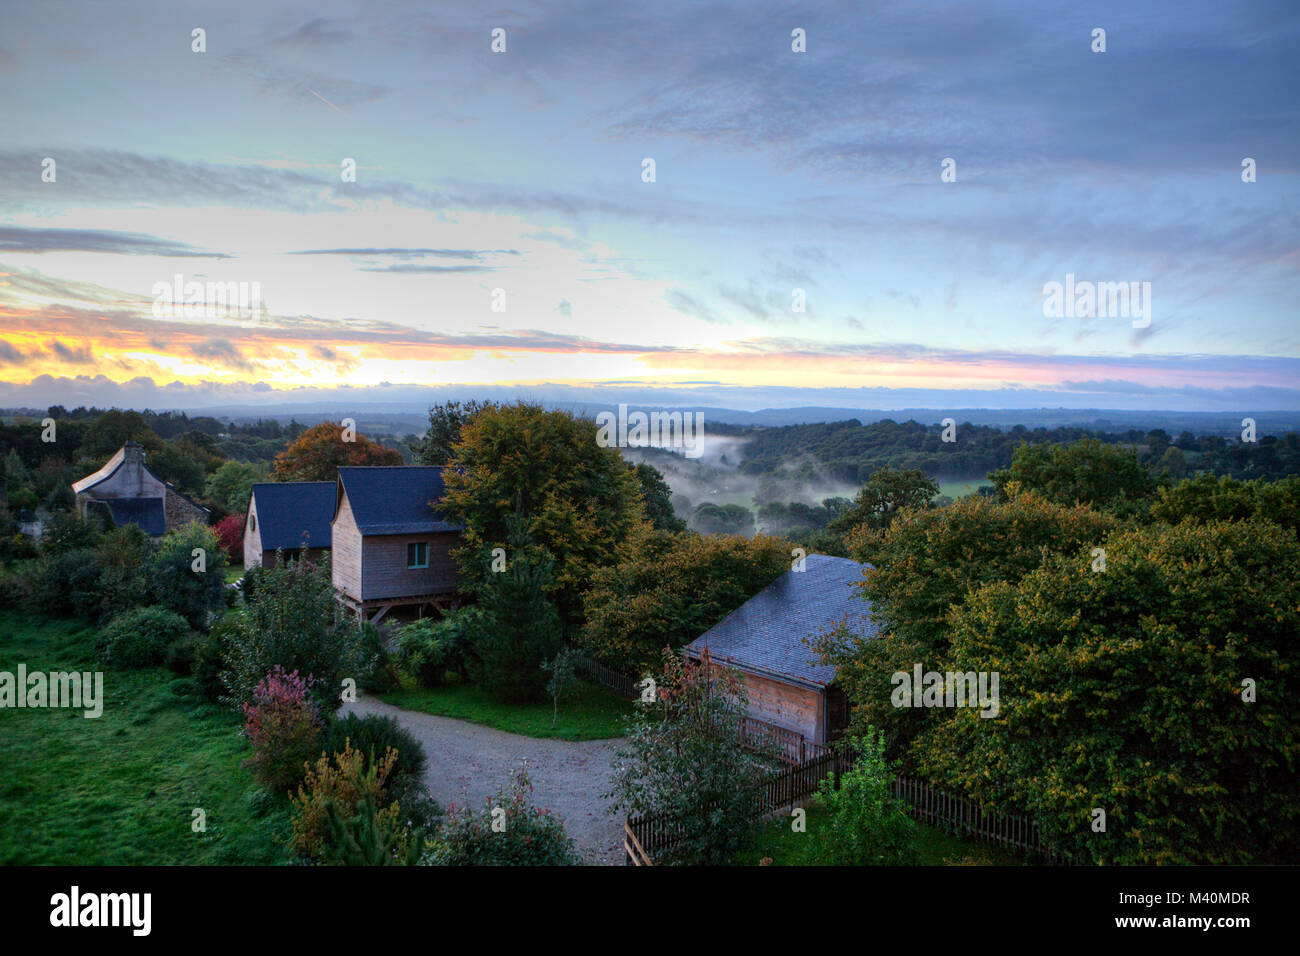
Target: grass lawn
234, 572
937, 848
120, 789
588, 712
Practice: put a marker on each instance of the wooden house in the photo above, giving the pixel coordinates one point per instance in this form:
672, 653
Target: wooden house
292, 517
764, 639
125, 491
391, 545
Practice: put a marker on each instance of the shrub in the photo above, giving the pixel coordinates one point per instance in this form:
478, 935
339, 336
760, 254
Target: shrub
342, 779
177, 586
209, 664
429, 648
866, 825
284, 727
179, 656
369, 838
230, 535
380, 677
123, 559
376, 734
140, 637
292, 619
525, 836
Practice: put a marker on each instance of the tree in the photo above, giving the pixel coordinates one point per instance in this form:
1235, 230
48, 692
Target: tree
658, 497
231, 485
709, 518
445, 424
578, 500
1160, 690
1206, 498
319, 452
520, 629
885, 493
684, 760
230, 534
671, 590
189, 573
1085, 472
561, 675
922, 569
292, 619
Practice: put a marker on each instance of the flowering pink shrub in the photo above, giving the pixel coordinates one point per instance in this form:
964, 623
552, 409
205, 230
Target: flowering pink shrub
284, 727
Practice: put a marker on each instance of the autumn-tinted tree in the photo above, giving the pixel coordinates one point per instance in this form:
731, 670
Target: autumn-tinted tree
673, 589
320, 451
922, 568
1206, 498
578, 500
1160, 690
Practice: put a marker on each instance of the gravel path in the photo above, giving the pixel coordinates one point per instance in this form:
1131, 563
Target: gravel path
469, 759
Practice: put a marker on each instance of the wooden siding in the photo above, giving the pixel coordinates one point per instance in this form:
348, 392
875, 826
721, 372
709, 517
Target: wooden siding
252, 539
786, 705
346, 538
384, 573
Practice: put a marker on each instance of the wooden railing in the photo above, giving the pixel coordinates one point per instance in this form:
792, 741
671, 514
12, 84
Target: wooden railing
656, 834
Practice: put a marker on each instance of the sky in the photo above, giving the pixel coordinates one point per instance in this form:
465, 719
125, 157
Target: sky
501, 231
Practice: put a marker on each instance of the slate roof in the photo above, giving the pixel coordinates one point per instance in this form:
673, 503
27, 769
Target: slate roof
286, 509
765, 634
148, 513
110, 466
389, 499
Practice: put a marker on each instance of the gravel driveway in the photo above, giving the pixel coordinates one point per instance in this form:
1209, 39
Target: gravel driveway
568, 776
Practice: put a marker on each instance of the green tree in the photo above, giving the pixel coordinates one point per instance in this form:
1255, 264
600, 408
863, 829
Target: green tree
885, 493
1086, 472
189, 573
866, 824
1206, 498
658, 497
231, 485
445, 424
520, 627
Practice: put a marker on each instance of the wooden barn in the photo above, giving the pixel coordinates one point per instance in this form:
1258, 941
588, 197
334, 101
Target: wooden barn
125, 491
787, 684
293, 517
391, 546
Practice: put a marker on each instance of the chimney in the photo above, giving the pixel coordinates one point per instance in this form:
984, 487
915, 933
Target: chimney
133, 469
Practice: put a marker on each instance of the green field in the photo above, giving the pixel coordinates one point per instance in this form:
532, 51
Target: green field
587, 713
120, 789
963, 487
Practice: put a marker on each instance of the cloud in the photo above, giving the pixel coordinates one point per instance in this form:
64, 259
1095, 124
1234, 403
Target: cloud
18, 239
74, 356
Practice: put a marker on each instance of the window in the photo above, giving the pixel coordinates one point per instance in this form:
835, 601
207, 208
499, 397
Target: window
417, 554
252, 522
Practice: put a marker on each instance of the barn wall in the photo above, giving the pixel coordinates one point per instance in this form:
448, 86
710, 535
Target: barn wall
252, 539
384, 570
787, 705
346, 565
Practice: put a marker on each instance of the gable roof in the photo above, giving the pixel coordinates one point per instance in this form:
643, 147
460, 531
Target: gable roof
394, 499
94, 478
766, 634
288, 509
148, 513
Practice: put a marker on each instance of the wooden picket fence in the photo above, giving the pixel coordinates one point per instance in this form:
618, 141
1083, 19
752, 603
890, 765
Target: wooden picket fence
624, 685
650, 835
